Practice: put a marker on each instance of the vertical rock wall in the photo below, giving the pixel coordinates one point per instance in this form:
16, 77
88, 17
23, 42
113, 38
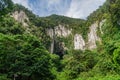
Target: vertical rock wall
79, 42
62, 31
92, 36
20, 17
51, 33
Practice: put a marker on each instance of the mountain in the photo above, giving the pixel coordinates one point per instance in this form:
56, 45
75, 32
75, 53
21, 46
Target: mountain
58, 47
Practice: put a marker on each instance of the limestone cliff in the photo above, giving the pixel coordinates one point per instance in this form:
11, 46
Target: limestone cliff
21, 17
58, 31
62, 31
92, 36
51, 33
79, 42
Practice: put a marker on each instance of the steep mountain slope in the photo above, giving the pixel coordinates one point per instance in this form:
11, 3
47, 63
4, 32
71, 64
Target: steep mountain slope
88, 49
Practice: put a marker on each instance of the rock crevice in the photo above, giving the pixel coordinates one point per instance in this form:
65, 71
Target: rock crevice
58, 31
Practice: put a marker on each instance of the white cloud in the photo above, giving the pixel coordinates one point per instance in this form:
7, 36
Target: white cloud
23, 2
50, 2
82, 8
70, 8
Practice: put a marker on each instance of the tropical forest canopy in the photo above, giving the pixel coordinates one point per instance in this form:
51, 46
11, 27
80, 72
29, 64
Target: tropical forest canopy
24, 55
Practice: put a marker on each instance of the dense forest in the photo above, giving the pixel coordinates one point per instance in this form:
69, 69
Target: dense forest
24, 50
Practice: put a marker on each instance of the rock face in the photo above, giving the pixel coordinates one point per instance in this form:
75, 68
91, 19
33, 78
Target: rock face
62, 31
92, 36
58, 31
20, 17
79, 42
51, 33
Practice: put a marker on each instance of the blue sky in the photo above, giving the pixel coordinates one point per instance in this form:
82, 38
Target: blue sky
70, 8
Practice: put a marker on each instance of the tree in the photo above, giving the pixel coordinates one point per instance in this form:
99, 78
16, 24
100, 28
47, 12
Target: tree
25, 57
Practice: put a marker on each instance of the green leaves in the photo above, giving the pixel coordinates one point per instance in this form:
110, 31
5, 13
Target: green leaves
78, 62
116, 56
9, 26
26, 57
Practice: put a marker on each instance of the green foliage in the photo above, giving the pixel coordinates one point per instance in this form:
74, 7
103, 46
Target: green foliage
77, 25
77, 63
107, 77
116, 56
5, 7
9, 26
25, 57
4, 77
